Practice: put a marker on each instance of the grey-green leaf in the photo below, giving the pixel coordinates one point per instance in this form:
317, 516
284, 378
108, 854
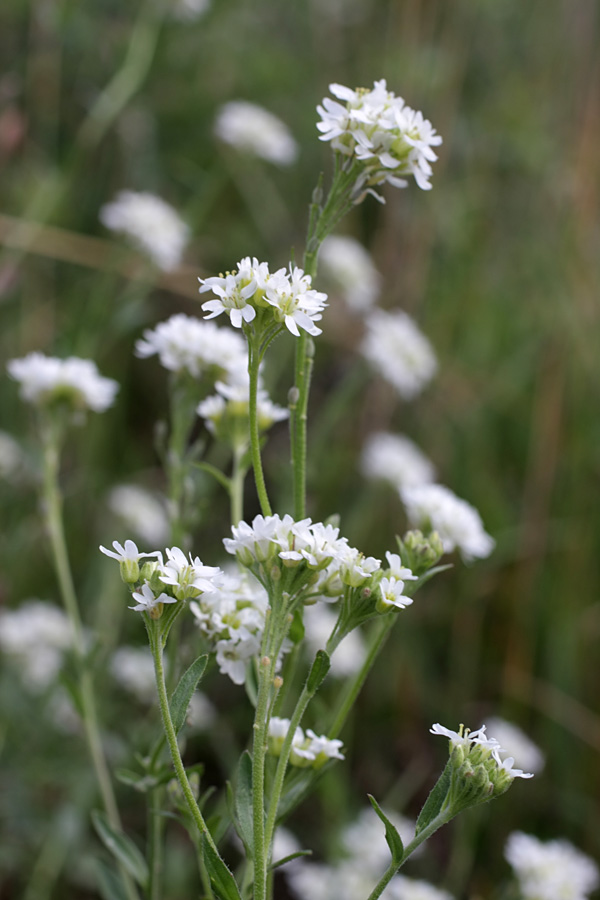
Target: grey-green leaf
394, 841
243, 802
184, 690
318, 672
221, 879
434, 802
121, 847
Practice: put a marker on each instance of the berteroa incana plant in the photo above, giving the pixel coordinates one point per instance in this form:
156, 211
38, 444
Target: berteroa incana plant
250, 615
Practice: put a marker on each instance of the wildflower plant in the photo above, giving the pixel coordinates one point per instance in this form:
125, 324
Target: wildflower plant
248, 616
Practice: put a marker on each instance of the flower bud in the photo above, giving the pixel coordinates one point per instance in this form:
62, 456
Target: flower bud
130, 571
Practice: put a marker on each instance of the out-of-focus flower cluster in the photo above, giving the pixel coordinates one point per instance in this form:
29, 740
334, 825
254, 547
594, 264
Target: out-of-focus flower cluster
458, 523
286, 297
552, 870
308, 749
150, 223
36, 637
348, 267
391, 140
254, 130
74, 383
226, 413
399, 352
396, 459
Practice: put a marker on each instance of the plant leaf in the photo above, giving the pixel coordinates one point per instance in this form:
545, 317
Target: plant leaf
287, 859
434, 802
244, 821
296, 632
110, 883
318, 671
221, 879
394, 841
182, 694
121, 847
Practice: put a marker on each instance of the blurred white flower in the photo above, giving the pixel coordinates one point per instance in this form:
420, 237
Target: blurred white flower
399, 352
348, 656
36, 637
184, 343
47, 380
349, 267
133, 668
140, 511
189, 10
11, 456
254, 130
201, 714
458, 523
515, 743
284, 844
554, 870
316, 881
152, 225
378, 129
364, 839
227, 412
403, 888
396, 459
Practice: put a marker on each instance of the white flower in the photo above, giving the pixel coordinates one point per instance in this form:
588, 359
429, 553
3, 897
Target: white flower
346, 263
152, 225
517, 744
552, 870
36, 637
11, 456
47, 380
324, 748
506, 765
233, 656
186, 344
316, 881
397, 570
464, 737
201, 714
141, 511
354, 568
458, 523
379, 129
390, 594
294, 301
128, 553
254, 130
147, 601
403, 888
396, 459
350, 653
399, 352
363, 840
235, 290
226, 413
188, 577
133, 668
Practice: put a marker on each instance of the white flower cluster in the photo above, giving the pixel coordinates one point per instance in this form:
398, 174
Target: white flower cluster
458, 523
141, 511
308, 749
47, 380
226, 413
395, 459
349, 267
186, 344
36, 637
399, 352
554, 870
374, 126
251, 287
232, 618
517, 744
478, 739
152, 225
255, 131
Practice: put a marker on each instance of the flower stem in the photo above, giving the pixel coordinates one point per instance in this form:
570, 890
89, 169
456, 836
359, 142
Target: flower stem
236, 486
54, 522
379, 636
253, 365
259, 749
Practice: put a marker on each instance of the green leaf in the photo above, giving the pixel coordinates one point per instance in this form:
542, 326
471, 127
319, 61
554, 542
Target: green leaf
122, 848
223, 480
394, 841
182, 694
221, 879
296, 632
287, 859
244, 821
431, 574
318, 672
434, 802
110, 883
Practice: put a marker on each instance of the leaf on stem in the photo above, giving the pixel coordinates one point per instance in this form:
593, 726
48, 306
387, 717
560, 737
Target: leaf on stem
243, 802
394, 841
182, 694
121, 847
318, 672
110, 883
221, 879
287, 859
434, 802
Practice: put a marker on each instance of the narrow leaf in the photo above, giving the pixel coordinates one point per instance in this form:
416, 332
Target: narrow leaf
296, 632
318, 671
122, 848
110, 883
223, 480
243, 802
221, 879
394, 841
434, 802
287, 859
184, 690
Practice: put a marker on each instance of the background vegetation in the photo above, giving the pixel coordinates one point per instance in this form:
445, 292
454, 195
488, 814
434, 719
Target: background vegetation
498, 264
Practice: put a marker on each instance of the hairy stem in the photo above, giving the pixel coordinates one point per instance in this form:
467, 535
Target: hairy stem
261, 488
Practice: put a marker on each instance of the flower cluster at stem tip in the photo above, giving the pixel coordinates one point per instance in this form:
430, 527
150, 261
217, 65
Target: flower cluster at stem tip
72, 383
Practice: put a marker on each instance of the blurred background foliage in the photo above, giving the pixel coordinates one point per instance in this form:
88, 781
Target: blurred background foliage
498, 264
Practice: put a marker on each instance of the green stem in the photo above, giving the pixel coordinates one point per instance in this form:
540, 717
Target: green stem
54, 523
378, 638
236, 485
441, 819
170, 733
259, 750
253, 365
155, 842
